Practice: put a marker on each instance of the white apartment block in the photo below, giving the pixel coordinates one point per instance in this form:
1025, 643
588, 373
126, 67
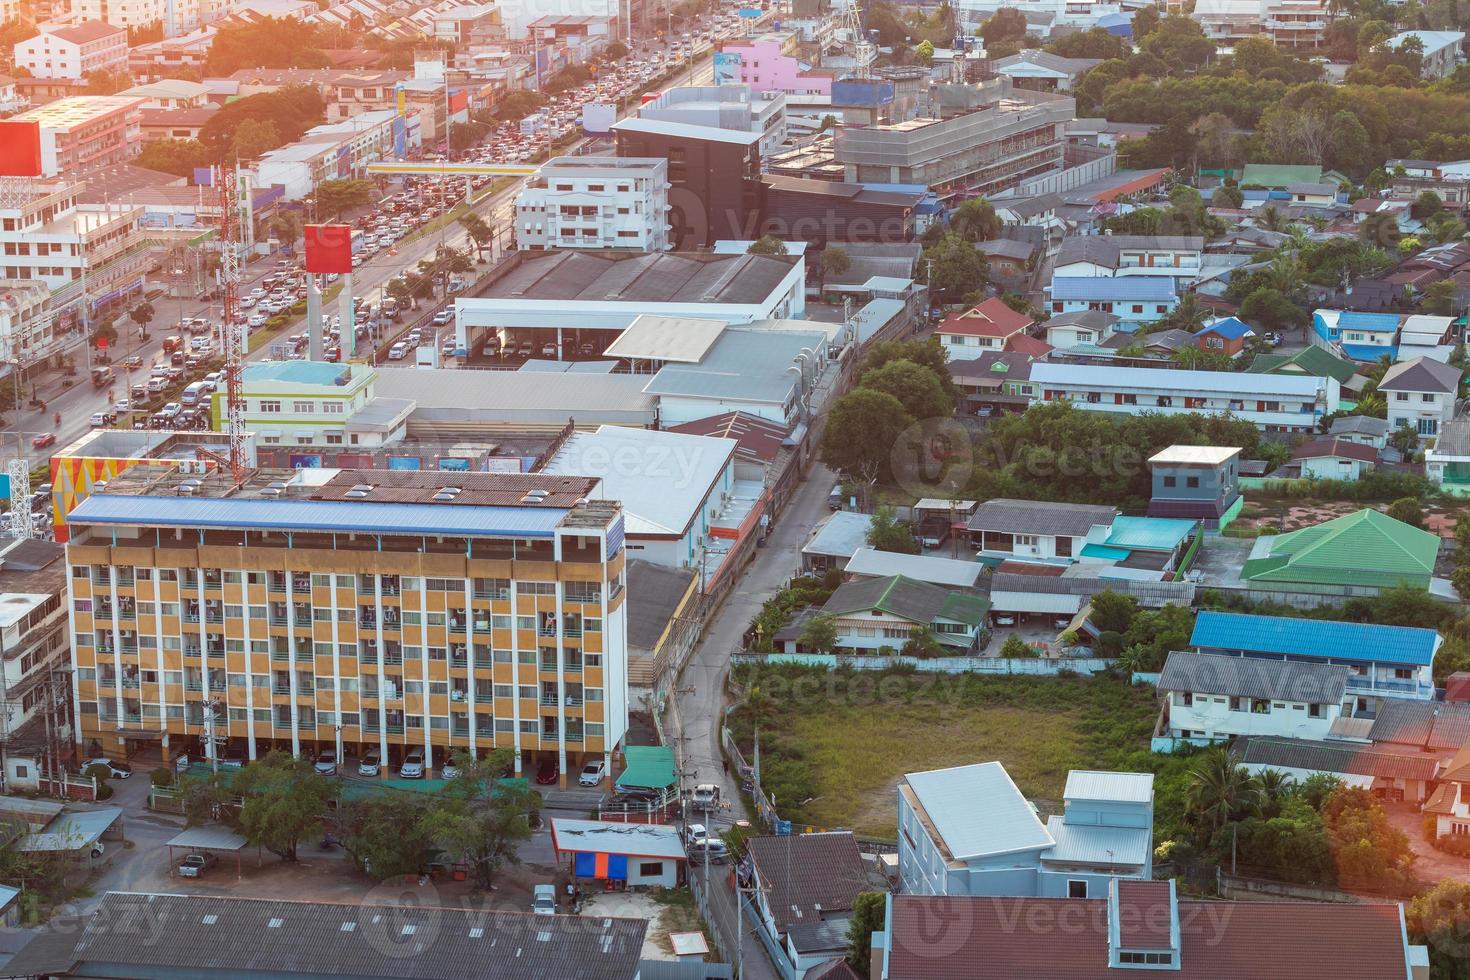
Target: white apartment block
122, 13
329, 152
595, 202
1274, 403
51, 237
74, 52
1211, 696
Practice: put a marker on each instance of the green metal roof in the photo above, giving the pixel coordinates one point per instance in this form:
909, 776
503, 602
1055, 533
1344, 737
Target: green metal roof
1367, 548
964, 608
1279, 174
1103, 551
1313, 361
649, 766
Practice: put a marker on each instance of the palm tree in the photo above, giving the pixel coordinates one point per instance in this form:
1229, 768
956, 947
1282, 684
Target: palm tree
1219, 790
1285, 274
975, 221
1275, 786
1188, 314
1270, 218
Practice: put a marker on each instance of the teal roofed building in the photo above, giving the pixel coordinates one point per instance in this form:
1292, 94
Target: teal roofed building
316, 404
1368, 550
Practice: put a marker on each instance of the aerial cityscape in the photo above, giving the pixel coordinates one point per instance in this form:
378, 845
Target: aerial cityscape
734, 489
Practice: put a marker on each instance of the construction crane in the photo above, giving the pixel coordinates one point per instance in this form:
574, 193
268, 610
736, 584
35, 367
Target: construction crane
232, 329
859, 46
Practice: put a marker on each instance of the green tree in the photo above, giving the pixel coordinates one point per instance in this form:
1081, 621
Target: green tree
1113, 611
1440, 919
385, 834
886, 533
479, 822
142, 315
286, 227
918, 389
1426, 205
1154, 633
107, 82
1227, 197
975, 221
1180, 43
177, 157
1269, 309
479, 232
926, 353
1381, 229
1410, 510
1015, 648
1006, 24
446, 262
615, 51
254, 138
767, 245
285, 800
334, 197
819, 634
1094, 43
868, 912
519, 104
269, 42
924, 53
291, 110
835, 261
1439, 297
1219, 791
952, 267
104, 334
1366, 847
862, 429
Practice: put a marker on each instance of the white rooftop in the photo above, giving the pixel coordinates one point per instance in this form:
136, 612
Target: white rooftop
662, 478
840, 536
1120, 787
1227, 382
1195, 455
633, 839
977, 811
952, 572
667, 338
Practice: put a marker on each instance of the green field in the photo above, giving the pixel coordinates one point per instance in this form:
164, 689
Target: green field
845, 747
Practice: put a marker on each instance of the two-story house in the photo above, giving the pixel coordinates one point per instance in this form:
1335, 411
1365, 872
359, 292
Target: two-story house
1172, 257
882, 613
1038, 530
1135, 300
1420, 394
1383, 662
1364, 337
1200, 482
1083, 327
1227, 336
1217, 697
969, 831
984, 328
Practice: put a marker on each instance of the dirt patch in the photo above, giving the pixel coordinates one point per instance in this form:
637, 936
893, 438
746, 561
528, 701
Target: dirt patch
1429, 864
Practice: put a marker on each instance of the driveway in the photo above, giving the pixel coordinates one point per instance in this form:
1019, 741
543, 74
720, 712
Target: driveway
1430, 865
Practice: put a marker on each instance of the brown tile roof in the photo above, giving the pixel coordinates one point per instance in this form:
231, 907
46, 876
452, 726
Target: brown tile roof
1457, 770
1024, 343
1431, 725
86, 32
1443, 800
756, 438
1357, 758
834, 969
1067, 939
1318, 448
803, 876
991, 318
1144, 912
479, 489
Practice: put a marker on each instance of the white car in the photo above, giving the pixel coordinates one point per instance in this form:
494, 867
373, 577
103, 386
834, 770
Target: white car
442, 317
171, 410
370, 764
543, 899
256, 320
398, 351
98, 420
592, 773
115, 770
326, 762
413, 766
246, 302
122, 405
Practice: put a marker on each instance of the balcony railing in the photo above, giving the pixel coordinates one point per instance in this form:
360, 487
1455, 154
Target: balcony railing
394, 728
280, 688
306, 724
549, 701
1368, 685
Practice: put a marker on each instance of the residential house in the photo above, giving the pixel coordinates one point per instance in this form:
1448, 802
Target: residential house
1227, 336
1321, 195
1389, 772
1421, 394
969, 831
835, 540
1199, 482
1216, 697
640, 855
1363, 429
1452, 187
74, 51
1450, 804
1312, 360
1442, 50
872, 615
1447, 462
1384, 662
1033, 68
985, 327
1334, 459
1084, 327
170, 93
993, 383
1157, 345
1296, 24
1037, 529
1135, 299
1142, 926
947, 573
1436, 729
1275, 403
1364, 337
1008, 262
1423, 335
803, 888
1361, 553
1171, 257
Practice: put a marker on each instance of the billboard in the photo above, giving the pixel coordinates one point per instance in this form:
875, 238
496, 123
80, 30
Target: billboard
727, 67
306, 461
598, 117
20, 148
404, 463
454, 464
328, 248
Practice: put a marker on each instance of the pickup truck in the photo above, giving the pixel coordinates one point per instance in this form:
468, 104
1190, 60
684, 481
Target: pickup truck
194, 865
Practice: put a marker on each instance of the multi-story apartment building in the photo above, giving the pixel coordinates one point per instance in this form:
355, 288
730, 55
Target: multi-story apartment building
87, 131
333, 151
355, 610
52, 238
596, 202
735, 107
1275, 403
35, 713
74, 52
715, 188
1010, 135
125, 13
1300, 24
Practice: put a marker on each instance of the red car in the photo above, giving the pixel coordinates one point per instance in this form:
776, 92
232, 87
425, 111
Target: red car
546, 775
43, 440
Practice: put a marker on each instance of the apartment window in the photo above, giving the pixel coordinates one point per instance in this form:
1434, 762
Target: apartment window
1170, 481
1236, 704
1076, 888
303, 407
1026, 540
1192, 482
270, 406
332, 408
1260, 707
1314, 710
1186, 698
1151, 959
1401, 396
1403, 673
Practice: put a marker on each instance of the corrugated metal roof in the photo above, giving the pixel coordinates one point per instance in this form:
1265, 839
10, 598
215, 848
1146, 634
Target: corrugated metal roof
1121, 787
1314, 638
978, 810
71, 831
1229, 382
840, 535
1158, 289
1082, 844
926, 568
360, 517
213, 838
1344, 757
633, 839
1149, 533
1252, 677
1366, 548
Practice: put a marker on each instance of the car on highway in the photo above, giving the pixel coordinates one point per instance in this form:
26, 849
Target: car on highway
442, 317
133, 361
98, 420
122, 405
43, 440
171, 410
256, 320
398, 351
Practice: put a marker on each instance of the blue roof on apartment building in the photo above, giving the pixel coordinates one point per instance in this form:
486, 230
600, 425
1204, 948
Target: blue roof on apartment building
1291, 636
347, 517
1158, 289
1149, 533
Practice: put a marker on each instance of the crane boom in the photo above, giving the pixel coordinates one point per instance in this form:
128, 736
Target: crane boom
232, 330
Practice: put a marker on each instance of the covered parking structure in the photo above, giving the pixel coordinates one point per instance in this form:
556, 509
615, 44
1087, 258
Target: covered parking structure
212, 839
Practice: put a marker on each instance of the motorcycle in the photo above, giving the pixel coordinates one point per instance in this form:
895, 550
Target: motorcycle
56, 418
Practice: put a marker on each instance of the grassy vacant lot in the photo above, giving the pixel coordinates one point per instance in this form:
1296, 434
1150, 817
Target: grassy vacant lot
843, 741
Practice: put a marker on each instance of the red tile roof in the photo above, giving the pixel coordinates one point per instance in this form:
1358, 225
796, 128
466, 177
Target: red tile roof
991, 318
1336, 447
86, 32
756, 438
1144, 913
1067, 939
1024, 343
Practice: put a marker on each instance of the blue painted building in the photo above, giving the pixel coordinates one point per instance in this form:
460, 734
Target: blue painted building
1382, 661
1362, 337
1135, 300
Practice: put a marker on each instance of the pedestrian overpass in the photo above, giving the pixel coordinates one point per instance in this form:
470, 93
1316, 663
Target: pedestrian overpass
432, 168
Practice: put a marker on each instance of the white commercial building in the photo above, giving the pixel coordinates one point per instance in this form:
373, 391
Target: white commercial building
732, 107
595, 202
75, 51
1275, 403
332, 151
1442, 50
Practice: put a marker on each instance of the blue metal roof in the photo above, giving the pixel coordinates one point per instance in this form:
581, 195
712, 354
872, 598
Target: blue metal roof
345, 516
1137, 288
1368, 353
1409, 645
1230, 328
1353, 320
297, 372
1149, 533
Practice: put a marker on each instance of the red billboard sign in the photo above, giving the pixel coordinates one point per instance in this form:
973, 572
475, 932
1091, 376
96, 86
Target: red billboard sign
328, 248
20, 148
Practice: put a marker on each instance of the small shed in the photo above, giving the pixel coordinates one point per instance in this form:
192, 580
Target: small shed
77, 833
634, 853
212, 839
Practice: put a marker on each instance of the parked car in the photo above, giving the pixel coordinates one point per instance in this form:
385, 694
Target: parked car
717, 849
449, 771
195, 865
695, 834
326, 762
592, 773
706, 796
371, 762
133, 361
543, 899
442, 317
398, 351
413, 765
546, 775
1005, 619
115, 770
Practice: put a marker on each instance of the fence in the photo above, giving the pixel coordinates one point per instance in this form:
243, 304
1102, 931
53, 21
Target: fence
1025, 666
779, 957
